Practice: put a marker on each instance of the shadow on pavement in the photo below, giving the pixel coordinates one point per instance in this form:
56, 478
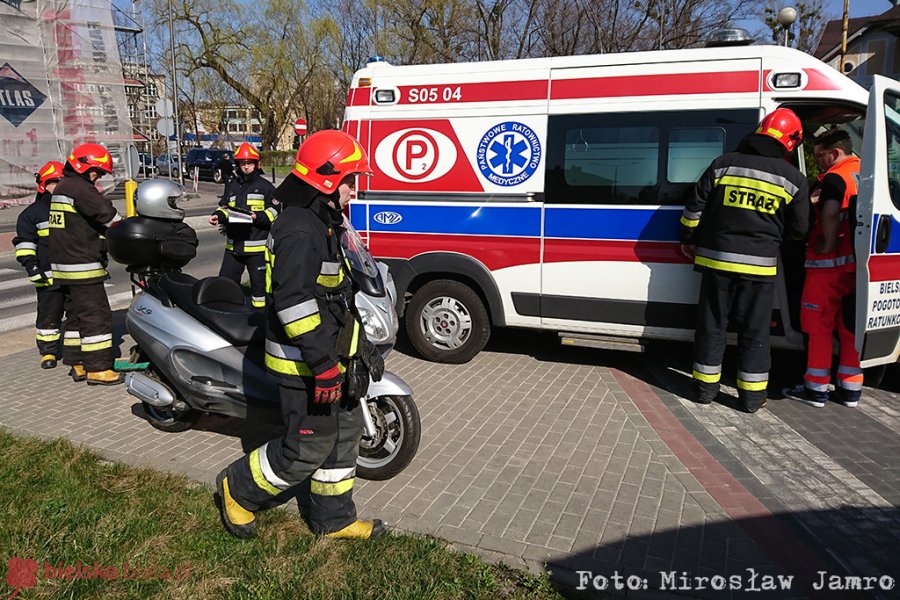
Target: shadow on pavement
746, 556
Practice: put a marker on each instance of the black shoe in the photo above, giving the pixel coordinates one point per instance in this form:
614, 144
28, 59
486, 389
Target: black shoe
752, 408
803, 394
705, 393
847, 398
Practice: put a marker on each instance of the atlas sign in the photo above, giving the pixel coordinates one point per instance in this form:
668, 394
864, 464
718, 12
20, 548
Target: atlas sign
415, 155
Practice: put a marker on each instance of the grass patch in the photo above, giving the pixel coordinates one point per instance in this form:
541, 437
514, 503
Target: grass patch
63, 505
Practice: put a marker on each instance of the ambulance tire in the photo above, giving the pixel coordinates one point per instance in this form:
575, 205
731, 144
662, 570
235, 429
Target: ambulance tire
447, 322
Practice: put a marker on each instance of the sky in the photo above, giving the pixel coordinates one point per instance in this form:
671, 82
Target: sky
858, 8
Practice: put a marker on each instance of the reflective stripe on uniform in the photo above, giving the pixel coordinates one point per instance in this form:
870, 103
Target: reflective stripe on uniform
72, 338
271, 213
690, 219
259, 472
255, 246
332, 482
62, 203
47, 335
850, 378
258, 301
707, 373
778, 181
300, 318
285, 359
825, 263
736, 263
26, 249
330, 274
92, 343
78, 271
752, 382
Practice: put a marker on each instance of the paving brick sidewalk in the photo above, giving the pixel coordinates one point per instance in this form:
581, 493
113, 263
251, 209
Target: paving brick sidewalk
567, 459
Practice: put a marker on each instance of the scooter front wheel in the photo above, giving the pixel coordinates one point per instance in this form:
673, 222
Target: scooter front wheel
397, 434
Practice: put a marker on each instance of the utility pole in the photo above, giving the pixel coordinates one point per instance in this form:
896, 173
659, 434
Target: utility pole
175, 97
844, 27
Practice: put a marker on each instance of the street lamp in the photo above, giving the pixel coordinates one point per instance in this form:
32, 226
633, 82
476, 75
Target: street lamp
786, 18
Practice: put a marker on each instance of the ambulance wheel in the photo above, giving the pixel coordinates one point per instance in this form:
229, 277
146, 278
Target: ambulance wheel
446, 322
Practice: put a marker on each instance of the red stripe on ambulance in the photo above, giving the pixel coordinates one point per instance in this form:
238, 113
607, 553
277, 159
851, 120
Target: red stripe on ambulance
669, 84
884, 267
568, 250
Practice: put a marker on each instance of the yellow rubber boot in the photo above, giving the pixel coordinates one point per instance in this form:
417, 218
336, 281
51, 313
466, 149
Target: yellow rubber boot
239, 521
359, 530
108, 377
48, 361
77, 373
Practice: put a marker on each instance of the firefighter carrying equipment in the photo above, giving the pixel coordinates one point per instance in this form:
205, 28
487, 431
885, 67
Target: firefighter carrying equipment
743, 205
326, 157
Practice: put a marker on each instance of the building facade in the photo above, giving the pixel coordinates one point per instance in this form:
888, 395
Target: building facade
873, 47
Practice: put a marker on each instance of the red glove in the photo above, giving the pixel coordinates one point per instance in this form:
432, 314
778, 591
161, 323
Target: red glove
328, 386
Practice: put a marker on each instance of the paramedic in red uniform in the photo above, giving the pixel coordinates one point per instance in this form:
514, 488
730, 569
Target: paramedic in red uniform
732, 227
830, 277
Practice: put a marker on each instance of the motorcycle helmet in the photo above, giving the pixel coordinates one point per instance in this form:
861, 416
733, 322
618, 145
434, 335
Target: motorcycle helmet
158, 199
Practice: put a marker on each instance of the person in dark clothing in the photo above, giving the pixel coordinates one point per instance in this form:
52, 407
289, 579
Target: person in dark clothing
732, 228
33, 253
226, 168
79, 215
313, 330
247, 212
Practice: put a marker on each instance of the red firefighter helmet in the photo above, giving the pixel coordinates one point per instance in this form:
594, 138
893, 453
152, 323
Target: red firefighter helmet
246, 152
783, 125
90, 156
328, 156
50, 172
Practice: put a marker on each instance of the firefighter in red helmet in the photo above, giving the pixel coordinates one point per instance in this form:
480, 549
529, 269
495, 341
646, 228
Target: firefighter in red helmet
313, 332
79, 215
247, 213
732, 228
32, 251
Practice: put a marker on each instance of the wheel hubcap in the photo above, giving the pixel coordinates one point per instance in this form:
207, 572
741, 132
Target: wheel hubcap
446, 323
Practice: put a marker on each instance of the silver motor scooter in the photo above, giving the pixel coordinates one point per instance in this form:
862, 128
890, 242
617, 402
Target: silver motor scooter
205, 344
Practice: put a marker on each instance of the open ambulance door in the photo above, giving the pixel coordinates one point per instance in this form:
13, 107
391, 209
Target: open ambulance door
878, 229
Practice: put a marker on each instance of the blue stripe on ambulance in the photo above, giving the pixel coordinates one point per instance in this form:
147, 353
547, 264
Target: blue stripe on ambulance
612, 223
468, 219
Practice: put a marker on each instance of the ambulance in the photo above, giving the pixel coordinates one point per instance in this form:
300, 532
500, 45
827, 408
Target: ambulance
546, 193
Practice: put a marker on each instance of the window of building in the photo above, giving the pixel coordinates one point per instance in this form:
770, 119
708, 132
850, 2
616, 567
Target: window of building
257, 128
151, 111
637, 158
233, 128
151, 89
231, 114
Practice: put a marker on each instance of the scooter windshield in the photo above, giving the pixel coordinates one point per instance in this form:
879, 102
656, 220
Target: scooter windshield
362, 265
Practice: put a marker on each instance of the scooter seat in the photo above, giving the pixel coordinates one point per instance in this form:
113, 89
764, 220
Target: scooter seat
218, 303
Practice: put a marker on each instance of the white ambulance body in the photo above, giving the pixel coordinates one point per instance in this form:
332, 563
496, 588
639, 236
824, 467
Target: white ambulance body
546, 193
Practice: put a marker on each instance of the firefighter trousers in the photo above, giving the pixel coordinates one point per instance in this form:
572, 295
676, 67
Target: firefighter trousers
316, 455
51, 304
233, 266
88, 337
820, 317
748, 303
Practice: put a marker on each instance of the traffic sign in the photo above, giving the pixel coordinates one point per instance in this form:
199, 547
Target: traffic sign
164, 107
300, 127
166, 126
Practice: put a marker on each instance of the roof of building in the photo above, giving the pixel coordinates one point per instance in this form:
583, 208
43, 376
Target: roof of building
830, 42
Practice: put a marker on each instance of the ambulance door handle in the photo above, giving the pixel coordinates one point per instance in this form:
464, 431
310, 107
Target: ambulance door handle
883, 233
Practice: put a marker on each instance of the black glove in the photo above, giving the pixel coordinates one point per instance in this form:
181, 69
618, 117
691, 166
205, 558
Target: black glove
373, 360
35, 275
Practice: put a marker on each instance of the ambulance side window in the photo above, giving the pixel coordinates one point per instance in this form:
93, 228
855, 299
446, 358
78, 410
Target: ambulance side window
892, 127
648, 158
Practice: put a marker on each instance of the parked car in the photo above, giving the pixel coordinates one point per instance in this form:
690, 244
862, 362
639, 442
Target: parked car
147, 168
212, 163
168, 164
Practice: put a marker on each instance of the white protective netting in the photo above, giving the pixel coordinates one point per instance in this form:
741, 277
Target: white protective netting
60, 85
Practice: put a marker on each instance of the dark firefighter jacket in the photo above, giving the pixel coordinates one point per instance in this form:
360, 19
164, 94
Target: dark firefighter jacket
79, 216
244, 195
742, 206
310, 326
32, 240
